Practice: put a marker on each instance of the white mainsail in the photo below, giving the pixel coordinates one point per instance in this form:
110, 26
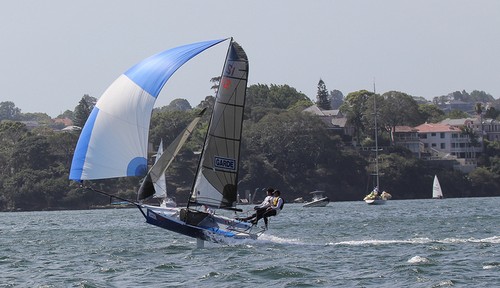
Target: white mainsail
436, 188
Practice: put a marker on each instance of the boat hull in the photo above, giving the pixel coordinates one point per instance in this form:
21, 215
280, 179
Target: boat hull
170, 219
318, 203
375, 201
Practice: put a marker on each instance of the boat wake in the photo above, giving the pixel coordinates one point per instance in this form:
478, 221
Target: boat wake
265, 238
262, 240
270, 239
374, 242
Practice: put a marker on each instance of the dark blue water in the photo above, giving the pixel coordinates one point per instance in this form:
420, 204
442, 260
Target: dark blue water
418, 243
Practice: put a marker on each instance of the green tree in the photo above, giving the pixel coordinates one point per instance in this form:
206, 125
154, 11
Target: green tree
166, 125
374, 105
294, 148
398, 109
11, 133
354, 108
66, 114
420, 100
479, 109
178, 105
460, 96
487, 182
215, 84
284, 96
481, 96
430, 113
397, 172
492, 113
337, 98
263, 99
300, 105
471, 135
440, 100
322, 96
457, 114
9, 111
208, 103
32, 152
39, 117
83, 109
62, 146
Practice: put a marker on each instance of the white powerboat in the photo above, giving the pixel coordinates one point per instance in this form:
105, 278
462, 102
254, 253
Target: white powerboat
317, 200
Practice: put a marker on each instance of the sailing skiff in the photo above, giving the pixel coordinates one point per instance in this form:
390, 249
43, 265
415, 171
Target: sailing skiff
122, 115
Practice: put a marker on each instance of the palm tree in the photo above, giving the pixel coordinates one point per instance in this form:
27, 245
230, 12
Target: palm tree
478, 108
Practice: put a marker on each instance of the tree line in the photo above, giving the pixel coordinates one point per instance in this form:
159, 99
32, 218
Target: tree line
282, 147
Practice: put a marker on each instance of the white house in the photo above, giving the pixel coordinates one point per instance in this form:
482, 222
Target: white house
446, 139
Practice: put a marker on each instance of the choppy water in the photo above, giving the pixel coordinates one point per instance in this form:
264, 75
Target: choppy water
418, 243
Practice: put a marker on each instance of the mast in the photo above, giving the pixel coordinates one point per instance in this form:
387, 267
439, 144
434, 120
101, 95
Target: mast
376, 134
200, 159
216, 180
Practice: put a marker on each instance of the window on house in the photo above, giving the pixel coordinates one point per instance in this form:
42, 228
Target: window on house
443, 145
442, 135
433, 145
454, 135
433, 134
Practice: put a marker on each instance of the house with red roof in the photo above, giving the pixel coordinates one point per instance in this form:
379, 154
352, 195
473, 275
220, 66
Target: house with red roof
446, 140
407, 137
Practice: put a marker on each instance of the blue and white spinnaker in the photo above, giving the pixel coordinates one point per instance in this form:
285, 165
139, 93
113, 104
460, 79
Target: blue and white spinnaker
113, 142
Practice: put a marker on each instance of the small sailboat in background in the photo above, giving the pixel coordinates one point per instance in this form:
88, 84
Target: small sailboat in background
154, 184
437, 193
375, 198
122, 115
317, 200
160, 184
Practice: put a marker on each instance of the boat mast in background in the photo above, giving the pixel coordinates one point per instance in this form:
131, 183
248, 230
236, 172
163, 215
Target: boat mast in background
376, 133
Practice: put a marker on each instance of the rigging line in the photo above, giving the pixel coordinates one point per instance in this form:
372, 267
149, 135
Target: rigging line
230, 104
117, 197
110, 195
224, 138
236, 78
231, 97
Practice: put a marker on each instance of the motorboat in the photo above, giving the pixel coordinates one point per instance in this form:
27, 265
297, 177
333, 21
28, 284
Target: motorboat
318, 200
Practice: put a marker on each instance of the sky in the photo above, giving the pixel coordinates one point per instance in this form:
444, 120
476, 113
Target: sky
52, 52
